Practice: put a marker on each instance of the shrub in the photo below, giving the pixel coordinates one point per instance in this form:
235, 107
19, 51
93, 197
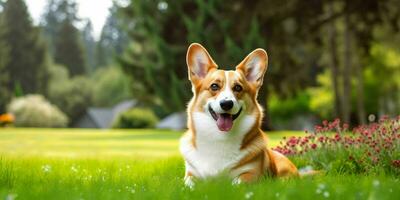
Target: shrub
72, 95
372, 148
36, 111
112, 86
136, 118
284, 109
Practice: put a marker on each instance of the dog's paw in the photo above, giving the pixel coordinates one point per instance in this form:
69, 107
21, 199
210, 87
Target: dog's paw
236, 181
189, 182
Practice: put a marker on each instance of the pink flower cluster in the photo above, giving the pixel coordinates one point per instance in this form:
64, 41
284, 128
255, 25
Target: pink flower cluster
375, 143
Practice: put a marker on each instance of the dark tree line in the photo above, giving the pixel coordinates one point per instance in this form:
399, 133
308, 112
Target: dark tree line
23, 53
296, 34
27, 52
64, 38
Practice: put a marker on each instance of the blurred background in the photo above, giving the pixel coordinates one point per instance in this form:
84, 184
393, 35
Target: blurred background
121, 63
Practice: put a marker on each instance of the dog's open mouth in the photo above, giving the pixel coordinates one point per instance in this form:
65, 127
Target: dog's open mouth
224, 120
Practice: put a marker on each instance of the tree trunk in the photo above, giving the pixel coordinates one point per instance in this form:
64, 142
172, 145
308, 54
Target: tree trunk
346, 99
360, 94
334, 65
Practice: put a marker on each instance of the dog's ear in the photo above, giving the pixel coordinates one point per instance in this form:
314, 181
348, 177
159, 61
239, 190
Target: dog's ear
199, 62
254, 67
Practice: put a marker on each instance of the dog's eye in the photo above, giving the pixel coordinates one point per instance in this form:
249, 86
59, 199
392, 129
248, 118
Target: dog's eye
237, 88
214, 87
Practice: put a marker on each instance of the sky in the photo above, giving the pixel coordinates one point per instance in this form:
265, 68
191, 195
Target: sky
96, 10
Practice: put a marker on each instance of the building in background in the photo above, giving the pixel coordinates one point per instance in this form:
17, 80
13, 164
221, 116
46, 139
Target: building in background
103, 117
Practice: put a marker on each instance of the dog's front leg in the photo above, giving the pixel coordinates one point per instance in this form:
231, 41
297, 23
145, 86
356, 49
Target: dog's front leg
189, 175
246, 177
189, 180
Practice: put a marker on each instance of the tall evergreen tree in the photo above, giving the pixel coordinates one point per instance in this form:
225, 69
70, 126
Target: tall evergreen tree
50, 23
112, 39
4, 76
55, 12
89, 44
27, 54
68, 49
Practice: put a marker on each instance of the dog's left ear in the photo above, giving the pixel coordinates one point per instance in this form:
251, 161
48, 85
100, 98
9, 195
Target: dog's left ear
254, 67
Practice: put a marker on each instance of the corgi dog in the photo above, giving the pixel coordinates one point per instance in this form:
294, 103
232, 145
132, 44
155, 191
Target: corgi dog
224, 118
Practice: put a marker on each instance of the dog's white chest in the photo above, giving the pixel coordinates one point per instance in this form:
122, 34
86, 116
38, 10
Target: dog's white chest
215, 151
213, 159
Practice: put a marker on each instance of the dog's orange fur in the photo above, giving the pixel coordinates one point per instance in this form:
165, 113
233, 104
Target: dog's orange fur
267, 162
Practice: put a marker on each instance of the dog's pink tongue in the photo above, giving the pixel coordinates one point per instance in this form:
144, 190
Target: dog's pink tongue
224, 122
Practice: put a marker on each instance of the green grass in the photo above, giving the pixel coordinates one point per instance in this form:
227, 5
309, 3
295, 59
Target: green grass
145, 164
99, 144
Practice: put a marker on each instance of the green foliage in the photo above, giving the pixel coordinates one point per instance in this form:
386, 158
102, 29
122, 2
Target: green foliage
89, 44
382, 80
72, 95
113, 39
136, 118
18, 91
156, 58
284, 109
321, 102
36, 111
26, 53
112, 87
5, 93
55, 12
68, 49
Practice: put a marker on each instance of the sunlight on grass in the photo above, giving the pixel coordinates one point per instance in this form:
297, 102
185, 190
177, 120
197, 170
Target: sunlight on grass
102, 144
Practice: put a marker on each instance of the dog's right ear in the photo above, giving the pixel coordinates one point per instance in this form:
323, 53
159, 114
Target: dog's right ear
199, 62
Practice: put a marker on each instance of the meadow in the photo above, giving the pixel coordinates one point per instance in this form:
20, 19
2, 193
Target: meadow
145, 164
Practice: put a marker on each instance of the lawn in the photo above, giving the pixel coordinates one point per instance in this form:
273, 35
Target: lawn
145, 164
98, 144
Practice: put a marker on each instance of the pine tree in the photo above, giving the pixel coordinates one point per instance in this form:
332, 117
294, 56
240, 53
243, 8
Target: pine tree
68, 49
27, 53
64, 39
56, 11
89, 45
112, 39
4, 76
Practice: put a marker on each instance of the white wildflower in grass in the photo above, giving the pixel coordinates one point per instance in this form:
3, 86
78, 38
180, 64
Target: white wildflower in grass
248, 195
133, 191
321, 186
318, 191
326, 194
375, 183
74, 169
11, 196
46, 168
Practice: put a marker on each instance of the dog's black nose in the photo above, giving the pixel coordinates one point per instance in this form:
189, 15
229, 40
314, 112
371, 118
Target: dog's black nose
226, 104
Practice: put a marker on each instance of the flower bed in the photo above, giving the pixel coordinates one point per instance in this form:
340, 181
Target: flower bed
372, 148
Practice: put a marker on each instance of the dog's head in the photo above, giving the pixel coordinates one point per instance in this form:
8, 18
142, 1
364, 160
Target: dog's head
225, 95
